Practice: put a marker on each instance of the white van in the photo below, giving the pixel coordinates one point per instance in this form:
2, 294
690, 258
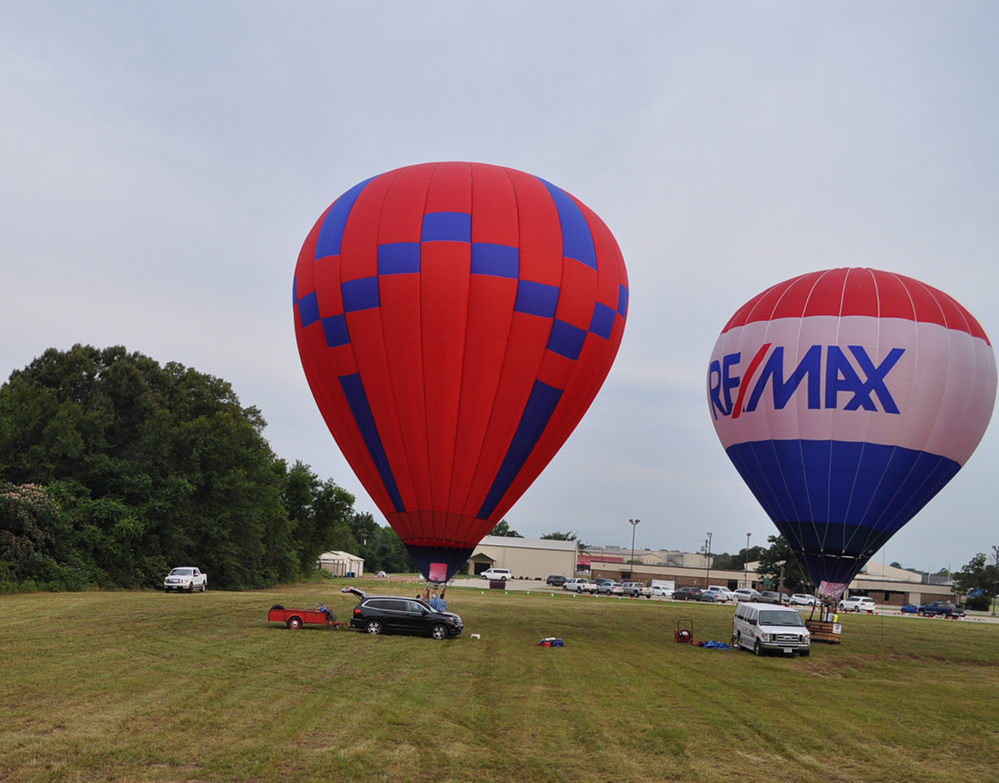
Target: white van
762, 627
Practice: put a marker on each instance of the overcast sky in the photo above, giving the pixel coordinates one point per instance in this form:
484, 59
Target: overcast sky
161, 164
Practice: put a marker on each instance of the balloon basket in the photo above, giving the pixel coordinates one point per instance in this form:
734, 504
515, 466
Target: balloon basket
825, 631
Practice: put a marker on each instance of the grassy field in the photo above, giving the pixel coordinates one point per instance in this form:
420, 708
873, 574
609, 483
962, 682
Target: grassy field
143, 686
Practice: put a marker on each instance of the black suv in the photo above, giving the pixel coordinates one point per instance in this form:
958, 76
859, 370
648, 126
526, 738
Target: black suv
395, 614
557, 580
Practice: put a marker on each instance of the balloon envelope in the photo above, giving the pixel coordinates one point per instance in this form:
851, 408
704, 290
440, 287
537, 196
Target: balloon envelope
846, 400
454, 321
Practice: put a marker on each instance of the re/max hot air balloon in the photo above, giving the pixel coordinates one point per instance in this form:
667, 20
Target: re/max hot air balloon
847, 399
455, 320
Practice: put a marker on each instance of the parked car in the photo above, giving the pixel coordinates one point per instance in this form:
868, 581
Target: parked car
687, 594
709, 597
770, 597
721, 593
909, 609
857, 603
188, 578
378, 614
940, 609
579, 585
658, 591
746, 594
802, 599
607, 587
498, 574
557, 580
636, 589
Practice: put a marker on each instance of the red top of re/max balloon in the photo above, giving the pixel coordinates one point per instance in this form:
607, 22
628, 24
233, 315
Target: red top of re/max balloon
857, 291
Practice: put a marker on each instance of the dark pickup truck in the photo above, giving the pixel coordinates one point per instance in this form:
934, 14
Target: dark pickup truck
940, 608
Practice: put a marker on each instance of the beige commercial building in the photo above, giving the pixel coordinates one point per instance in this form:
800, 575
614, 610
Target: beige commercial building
527, 558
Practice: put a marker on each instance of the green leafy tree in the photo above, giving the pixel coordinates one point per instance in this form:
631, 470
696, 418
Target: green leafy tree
503, 529
381, 547
558, 536
978, 574
320, 513
152, 466
777, 555
30, 522
736, 562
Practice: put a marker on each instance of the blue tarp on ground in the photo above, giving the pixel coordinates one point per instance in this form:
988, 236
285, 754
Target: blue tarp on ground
713, 645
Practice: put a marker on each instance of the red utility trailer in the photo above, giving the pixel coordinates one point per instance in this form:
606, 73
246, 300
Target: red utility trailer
296, 618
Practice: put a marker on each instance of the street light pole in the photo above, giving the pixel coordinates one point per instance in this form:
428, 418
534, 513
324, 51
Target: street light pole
995, 585
746, 563
709, 561
634, 524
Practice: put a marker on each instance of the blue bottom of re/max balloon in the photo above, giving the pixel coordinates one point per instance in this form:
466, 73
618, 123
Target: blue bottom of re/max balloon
838, 502
453, 558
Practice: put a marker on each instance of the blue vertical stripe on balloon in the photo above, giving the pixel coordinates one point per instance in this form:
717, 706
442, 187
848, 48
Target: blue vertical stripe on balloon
446, 227
331, 232
398, 258
496, 260
536, 298
357, 399
308, 309
577, 241
335, 330
537, 413
622, 301
566, 340
360, 294
602, 323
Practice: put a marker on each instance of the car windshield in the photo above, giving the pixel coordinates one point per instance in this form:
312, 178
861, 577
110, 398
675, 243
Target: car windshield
781, 618
180, 572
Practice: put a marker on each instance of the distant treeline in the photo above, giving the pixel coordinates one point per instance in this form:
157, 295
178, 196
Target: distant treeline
114, 469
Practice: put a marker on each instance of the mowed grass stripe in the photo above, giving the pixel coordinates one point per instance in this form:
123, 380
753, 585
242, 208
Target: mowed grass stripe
145, 686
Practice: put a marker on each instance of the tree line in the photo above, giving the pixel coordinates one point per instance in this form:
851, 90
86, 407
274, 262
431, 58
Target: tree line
114, 469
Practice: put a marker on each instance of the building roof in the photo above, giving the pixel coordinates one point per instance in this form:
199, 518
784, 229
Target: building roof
529, 543
336, 555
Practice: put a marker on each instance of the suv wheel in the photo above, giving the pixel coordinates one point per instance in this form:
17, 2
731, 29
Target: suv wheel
374, 627
439, 632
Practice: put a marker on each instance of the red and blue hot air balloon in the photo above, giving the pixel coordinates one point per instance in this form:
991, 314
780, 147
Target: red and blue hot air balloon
455, 320
847, 399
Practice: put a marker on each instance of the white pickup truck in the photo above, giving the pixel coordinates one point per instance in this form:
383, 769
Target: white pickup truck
187, 578
580, 585
636, 589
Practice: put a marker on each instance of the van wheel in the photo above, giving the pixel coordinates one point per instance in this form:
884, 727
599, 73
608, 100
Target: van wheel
735, 640
758, 648
805, 653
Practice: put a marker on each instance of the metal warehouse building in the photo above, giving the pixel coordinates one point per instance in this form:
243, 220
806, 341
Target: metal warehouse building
527, 558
